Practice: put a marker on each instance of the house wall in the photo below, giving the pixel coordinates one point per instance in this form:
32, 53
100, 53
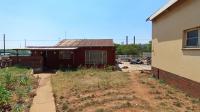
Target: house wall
168, 32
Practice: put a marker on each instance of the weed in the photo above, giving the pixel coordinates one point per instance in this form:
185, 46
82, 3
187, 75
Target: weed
162, 82
188, 108
158, 97
170, 92
9, 81
23, 80
65, 106
18, 108
163, 104
143, 81
128, 104
5, 96
196, 101
21, 93
123, 105
152, 86
178, 104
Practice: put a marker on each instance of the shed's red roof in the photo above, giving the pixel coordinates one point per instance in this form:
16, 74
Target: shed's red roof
85, 43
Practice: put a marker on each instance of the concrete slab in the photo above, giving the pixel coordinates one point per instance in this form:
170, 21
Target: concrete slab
44, 100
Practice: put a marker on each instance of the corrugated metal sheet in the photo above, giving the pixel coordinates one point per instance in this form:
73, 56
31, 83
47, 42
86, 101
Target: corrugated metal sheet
86, 43
47, 48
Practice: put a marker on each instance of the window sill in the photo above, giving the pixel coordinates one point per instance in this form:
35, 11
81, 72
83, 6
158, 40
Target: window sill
190, 48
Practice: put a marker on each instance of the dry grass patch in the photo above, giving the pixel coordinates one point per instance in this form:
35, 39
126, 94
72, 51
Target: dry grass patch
93, 90
86, 80
168, 98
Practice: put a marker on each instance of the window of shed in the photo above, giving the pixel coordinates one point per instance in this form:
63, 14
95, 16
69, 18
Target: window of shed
192, 39
65, 55
95, 57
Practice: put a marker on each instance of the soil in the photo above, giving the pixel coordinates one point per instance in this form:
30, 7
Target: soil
143, 94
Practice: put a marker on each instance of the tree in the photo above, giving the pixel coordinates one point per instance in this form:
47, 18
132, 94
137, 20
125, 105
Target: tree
132, 49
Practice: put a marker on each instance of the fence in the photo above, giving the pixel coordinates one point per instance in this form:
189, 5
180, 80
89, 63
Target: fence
29, 61
126, 57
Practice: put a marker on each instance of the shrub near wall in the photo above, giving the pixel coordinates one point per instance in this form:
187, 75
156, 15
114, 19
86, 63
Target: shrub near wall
17, 87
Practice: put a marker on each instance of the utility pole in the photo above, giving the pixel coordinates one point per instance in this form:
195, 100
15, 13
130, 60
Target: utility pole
65, 35
134, 40
4, 44
126, 40
25, 43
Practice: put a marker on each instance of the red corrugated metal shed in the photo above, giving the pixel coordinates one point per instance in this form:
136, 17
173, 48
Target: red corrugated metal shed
76, 49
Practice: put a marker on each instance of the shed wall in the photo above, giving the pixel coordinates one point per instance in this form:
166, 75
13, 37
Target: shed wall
78, 57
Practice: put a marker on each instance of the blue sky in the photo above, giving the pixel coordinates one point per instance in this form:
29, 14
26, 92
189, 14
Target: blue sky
44, 22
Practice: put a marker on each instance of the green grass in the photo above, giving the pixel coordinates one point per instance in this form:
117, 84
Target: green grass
16, 84
16, 70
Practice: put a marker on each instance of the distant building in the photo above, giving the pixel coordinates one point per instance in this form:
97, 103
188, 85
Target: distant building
176, 44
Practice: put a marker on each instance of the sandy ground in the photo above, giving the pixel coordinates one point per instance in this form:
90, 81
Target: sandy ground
44, 100
135, 67
141, 90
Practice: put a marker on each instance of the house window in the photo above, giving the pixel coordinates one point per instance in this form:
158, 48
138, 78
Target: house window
95, 57
65, 55
192, 39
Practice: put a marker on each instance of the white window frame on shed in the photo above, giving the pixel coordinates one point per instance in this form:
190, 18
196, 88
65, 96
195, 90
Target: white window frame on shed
96, 57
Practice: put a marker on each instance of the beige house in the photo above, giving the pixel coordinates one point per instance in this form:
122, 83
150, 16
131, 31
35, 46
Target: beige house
176, 44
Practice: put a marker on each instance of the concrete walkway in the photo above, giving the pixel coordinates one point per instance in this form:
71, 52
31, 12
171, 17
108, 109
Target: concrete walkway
44, 100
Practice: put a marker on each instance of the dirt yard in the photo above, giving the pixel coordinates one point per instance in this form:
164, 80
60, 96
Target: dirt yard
108, 91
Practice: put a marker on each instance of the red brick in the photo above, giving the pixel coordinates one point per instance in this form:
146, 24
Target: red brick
189, 86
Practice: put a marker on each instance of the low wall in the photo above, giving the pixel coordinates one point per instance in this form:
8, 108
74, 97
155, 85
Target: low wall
189, 86
35, 62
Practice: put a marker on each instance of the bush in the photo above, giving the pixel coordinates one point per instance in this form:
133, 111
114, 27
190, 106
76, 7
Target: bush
23, 80
5, 96
8, 80
16, 89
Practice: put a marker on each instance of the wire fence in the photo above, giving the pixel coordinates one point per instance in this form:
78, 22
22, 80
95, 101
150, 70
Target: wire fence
15, 43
